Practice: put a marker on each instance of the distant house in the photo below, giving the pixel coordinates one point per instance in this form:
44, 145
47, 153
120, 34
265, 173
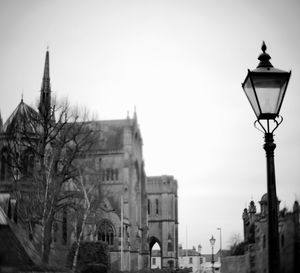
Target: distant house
200, 263
190, 258
156, 259
197, 262
207, 265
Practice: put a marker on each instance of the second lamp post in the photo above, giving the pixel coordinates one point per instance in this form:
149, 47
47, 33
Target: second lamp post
212, 243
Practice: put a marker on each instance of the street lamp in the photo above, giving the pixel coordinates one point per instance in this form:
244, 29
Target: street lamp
265, 88
199, 250
212, 243
220, 229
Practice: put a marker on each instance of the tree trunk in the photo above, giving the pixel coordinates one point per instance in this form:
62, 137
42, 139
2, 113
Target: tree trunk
79, 238
47, 239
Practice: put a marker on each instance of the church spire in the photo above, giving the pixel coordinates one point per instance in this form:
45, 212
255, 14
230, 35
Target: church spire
45, 97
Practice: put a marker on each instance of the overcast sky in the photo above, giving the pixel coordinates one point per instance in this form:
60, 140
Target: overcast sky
181, 63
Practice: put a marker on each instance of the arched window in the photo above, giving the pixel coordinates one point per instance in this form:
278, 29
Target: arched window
28, 162
5, 160
54, 230
3, 167
106, 233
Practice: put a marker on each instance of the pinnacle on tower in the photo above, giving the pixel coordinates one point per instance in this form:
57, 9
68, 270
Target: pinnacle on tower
1, 123
45, 97
134, 113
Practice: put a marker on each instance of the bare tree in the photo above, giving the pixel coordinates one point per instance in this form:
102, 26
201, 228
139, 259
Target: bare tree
87, 200
235, 239
237, 246
43, 151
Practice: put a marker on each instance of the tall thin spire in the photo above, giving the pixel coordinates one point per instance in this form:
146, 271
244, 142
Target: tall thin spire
45, 97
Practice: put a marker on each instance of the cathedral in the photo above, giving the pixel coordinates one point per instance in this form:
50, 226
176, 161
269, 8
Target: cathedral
121, 215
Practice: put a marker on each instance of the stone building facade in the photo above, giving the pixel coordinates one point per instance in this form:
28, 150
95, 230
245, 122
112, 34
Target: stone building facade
128, 209
119, 214
163, 218
255, 225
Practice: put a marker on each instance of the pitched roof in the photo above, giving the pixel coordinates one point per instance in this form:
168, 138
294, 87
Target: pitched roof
111, 136
12, 252
188, 252
20, 117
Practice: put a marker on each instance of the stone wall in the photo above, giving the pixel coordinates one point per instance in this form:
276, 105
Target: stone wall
234, 264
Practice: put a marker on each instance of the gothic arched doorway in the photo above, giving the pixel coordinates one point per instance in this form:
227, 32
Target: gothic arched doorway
155, 253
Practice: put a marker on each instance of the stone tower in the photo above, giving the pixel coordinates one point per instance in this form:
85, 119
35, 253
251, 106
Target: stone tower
163, 218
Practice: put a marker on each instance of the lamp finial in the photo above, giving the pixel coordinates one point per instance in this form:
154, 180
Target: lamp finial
264, 57
264, 47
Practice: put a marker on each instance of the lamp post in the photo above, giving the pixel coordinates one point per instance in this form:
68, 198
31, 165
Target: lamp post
220, 229
212, 241
200, 262
265, 88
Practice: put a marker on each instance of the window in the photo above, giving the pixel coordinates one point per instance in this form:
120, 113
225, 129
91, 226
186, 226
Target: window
107, 174
5, 160
264, 241
171, 264
282, 240
55, 229
154, 261
191, 260
3, 167
149, 204
170, 245
28, 162
112, 177
99, 163
106, 233
156, 206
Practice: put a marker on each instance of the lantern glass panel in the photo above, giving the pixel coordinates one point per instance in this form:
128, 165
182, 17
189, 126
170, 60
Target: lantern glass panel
250, 93
269, 91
